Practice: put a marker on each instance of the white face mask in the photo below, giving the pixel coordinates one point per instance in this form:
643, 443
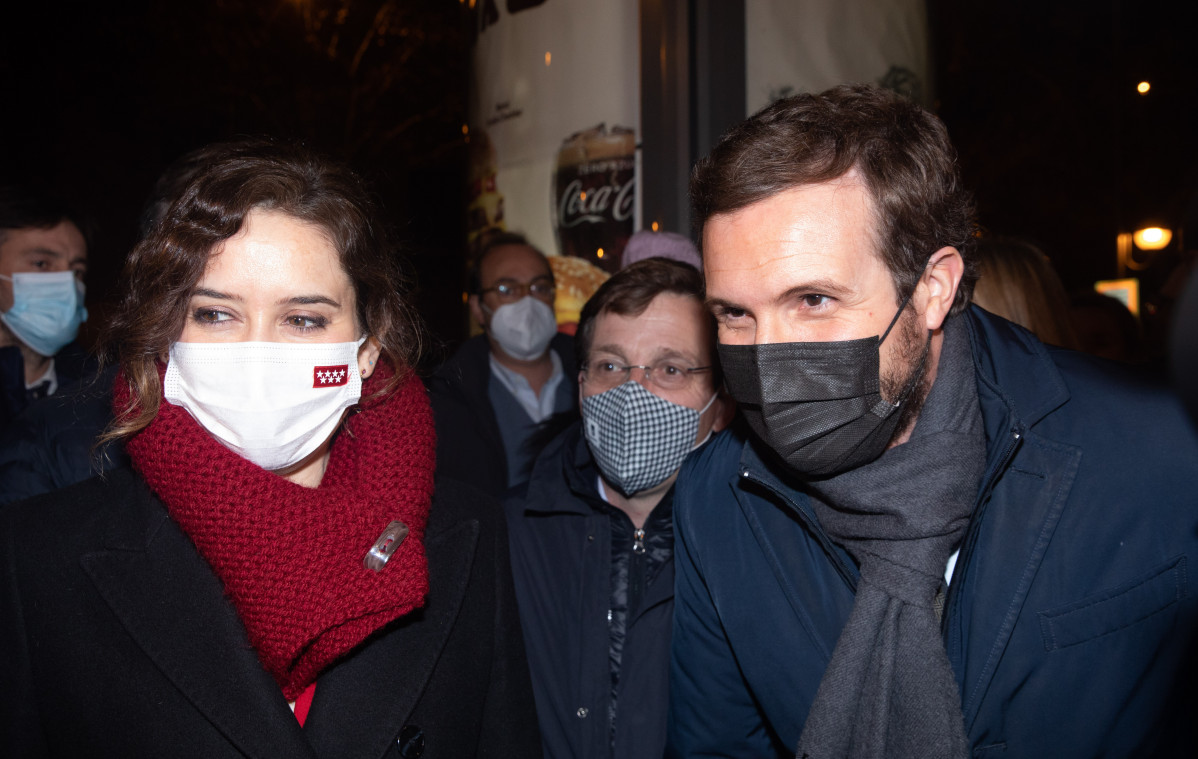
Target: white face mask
272, 403
524, 328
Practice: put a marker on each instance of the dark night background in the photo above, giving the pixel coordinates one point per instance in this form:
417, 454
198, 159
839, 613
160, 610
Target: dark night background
1039, 97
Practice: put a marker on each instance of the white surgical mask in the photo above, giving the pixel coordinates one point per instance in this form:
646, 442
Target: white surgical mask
271, 403
524, 328
47, 309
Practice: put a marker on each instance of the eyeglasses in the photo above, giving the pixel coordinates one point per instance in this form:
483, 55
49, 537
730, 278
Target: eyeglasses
606, 374
513, 291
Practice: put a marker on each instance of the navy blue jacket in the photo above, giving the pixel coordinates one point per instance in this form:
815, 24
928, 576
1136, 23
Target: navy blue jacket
562, 535
51, 443
1069, 621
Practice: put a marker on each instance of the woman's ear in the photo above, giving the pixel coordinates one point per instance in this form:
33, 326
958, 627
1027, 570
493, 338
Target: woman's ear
368, 354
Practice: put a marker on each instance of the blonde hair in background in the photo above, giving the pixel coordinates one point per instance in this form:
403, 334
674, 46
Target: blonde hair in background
1016, 281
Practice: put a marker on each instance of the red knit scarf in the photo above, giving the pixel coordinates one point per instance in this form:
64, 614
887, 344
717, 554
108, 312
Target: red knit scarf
290, 557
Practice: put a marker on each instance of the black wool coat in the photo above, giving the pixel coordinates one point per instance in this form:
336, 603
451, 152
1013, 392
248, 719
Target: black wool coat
118, 641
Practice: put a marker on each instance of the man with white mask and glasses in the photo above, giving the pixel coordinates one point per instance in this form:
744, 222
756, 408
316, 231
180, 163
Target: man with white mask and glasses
43, 257
503, 393
591, 533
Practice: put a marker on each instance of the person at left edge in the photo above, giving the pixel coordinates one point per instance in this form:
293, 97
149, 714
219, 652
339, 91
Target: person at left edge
591, 534
504, 393
43, 258
278, 558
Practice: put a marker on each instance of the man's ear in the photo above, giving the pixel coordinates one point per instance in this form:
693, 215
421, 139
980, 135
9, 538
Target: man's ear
476, 311
939, 285
725, 410
368, 355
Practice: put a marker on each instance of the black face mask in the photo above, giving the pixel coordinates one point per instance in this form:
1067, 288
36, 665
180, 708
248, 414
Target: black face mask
817, 405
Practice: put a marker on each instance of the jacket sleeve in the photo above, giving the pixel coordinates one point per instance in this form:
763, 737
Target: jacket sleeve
509, 716
712, 711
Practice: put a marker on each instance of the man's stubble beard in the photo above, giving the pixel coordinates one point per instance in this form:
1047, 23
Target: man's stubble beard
912, 347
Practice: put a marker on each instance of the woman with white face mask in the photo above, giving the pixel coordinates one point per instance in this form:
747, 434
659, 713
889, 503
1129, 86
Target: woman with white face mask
276, 576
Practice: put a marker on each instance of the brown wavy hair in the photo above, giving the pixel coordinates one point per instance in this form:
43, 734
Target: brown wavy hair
901, 151
162, 271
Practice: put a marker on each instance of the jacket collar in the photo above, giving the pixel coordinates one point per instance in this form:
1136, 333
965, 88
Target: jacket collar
1018, 382
564, 477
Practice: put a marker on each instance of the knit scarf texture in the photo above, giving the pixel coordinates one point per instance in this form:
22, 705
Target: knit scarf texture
889, 690
290, 557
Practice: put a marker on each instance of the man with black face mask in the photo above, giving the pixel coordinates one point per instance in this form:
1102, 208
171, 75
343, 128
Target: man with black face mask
937, 537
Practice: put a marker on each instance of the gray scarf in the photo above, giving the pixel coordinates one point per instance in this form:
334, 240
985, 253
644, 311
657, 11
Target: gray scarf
889, 690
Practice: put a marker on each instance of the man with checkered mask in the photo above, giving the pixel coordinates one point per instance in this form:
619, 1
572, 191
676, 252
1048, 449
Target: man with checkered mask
592, 536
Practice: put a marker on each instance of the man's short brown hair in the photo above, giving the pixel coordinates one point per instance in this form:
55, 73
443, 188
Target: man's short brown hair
630, 291
901, 151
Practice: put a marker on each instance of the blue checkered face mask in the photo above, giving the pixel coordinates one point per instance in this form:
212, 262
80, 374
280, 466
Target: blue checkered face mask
639, 439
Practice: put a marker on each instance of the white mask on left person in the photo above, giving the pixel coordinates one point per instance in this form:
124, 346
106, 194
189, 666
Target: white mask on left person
271, 403
524, 328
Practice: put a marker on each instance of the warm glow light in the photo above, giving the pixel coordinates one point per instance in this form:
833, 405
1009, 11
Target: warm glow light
465, 129
582, 196
465, 297
471, 3
1143, 87
1152, 238
1126, 290
655, 226
548, 57
599, 253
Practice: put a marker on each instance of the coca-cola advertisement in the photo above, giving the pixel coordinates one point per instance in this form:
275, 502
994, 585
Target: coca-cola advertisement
554, 115
594, 192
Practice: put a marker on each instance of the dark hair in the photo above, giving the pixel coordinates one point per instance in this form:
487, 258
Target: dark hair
163, 269
499, 239
629, 292
901, 151
175, 177
32, 207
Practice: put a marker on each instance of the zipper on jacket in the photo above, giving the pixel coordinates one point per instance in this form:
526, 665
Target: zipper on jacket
638, 540
975, 521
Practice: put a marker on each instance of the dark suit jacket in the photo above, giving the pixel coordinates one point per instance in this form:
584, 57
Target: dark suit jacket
469, 444
117, 641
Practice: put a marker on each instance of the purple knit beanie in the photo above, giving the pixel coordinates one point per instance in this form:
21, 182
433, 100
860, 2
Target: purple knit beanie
646, 244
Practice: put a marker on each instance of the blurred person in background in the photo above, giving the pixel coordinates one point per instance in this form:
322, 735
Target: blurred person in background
504, 393
1106, 328
43, 259
591, 533
279, 558
52, 443
1017, 282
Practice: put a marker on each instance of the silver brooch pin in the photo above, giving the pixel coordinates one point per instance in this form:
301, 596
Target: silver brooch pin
386, 546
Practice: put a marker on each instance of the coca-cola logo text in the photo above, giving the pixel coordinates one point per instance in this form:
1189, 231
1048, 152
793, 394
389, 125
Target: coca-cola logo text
577, 207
